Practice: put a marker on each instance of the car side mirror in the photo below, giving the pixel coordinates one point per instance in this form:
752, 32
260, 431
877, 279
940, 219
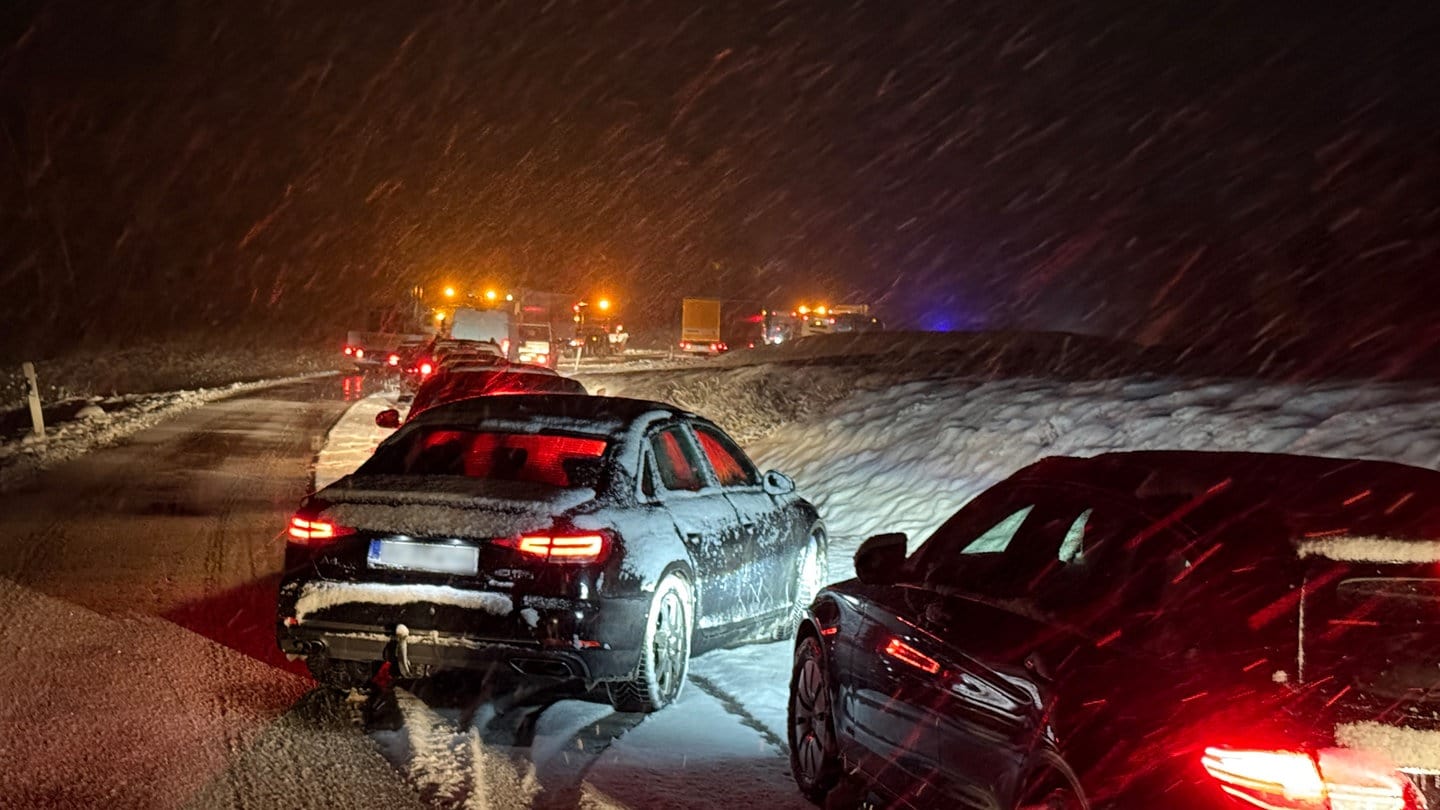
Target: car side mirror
388, 418
881, 558
778, 483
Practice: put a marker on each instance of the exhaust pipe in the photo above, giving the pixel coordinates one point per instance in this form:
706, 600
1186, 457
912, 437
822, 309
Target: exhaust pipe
542, 667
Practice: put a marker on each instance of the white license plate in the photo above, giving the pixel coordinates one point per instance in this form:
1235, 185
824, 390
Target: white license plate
433, 557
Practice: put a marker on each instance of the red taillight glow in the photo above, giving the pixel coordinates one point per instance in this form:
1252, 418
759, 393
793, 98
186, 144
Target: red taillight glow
425, 369
393, 359
1294, 780
572, 548
349, 350
830, 631
906, 654
359, 353
318, 529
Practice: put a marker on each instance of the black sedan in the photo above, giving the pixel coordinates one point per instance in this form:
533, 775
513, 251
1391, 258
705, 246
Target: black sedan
585, 539
1143, 630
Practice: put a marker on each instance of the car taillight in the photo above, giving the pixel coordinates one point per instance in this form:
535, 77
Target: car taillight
1333, 779
359, 353
349, 350
564, 548
393, 359
318, 529
904, 653
425, 369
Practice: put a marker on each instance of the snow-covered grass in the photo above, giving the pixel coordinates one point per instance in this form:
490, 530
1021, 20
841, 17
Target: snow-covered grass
109, 421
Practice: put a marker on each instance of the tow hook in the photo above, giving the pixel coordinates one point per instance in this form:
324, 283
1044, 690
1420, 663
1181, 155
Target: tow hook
402, 651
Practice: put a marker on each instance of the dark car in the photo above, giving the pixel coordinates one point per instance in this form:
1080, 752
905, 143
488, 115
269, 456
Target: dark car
440, 352
586, 539
1140, 630
452, 385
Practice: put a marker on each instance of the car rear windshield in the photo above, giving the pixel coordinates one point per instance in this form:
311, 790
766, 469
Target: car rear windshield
441, 390
542, 458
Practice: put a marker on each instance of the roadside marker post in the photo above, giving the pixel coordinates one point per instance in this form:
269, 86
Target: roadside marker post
37, 416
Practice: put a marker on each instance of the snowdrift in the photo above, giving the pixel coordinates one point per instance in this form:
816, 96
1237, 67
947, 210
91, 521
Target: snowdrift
887, 432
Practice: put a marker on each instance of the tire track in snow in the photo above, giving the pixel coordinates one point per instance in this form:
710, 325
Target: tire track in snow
491, 760
732, 705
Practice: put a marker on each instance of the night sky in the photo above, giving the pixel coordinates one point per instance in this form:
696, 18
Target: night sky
1165, 171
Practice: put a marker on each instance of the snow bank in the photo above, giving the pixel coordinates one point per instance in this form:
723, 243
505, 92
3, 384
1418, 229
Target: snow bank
894, 432
353, 438
124, 416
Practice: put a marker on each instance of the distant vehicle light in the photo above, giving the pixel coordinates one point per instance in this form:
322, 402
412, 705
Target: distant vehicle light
603, 304
803, 310
425, 369
349, 350
449, 292
906, 654
505, 346
821, 310
491, 295
394, 360
359, 354
541, 358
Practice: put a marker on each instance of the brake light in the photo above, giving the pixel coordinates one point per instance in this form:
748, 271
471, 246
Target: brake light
425, 369
1333, 779
393, 360
906, 654
349, 350
359, 354
571, 548
318, 529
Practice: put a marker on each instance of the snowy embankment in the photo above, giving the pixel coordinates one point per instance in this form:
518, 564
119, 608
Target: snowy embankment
897, 441
102, 422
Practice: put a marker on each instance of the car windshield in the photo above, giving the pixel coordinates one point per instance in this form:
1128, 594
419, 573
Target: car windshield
551, 459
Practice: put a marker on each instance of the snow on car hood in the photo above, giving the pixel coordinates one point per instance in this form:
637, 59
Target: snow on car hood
318, 596
448, 507
1346, 548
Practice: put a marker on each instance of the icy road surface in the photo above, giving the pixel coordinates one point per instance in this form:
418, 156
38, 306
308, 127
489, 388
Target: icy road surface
137, 590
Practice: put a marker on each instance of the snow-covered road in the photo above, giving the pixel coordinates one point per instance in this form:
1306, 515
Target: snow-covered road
137, 589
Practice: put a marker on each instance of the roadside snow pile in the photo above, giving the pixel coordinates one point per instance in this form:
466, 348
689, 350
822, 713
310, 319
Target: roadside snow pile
904, 458
117, 418
353, 438
160, 367
895, 431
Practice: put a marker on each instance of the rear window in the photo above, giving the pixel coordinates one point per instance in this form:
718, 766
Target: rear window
542, 458
447, 388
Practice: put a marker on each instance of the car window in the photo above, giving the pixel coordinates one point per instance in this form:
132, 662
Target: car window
677, 467
541, 458
998, 537
729, 462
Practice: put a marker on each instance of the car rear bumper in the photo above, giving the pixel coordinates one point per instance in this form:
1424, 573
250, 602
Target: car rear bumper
590, 640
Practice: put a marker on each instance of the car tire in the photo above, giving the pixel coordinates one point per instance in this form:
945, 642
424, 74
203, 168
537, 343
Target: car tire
664, 652
339, 675
814, 749
810, 573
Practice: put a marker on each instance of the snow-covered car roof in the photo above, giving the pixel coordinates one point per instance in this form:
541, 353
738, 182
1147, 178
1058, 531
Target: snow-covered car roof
564, 412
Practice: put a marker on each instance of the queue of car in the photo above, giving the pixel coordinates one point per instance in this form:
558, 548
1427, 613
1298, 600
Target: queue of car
1135, 630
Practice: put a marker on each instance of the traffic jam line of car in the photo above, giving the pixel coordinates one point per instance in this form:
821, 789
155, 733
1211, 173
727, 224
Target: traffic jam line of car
1158, 629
